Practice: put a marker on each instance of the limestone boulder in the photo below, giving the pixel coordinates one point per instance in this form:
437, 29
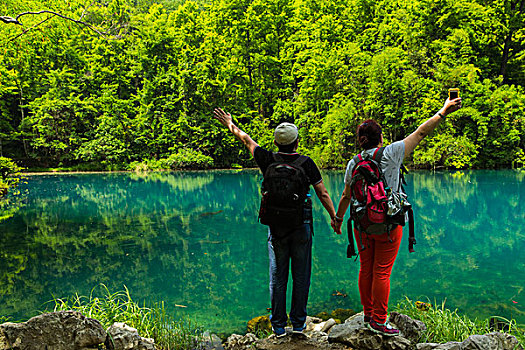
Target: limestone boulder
490, 341
436, 346
355, 334
63, 330
410, 328
123, 337
240, 342
297, 341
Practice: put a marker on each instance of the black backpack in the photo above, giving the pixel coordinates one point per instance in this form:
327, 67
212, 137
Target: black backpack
284, 192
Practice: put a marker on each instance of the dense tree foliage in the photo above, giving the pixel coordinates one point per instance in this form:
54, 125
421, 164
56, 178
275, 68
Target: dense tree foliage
145, 91
10, 177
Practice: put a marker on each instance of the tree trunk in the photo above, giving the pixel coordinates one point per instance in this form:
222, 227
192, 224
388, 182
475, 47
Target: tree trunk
505, 57
22, 115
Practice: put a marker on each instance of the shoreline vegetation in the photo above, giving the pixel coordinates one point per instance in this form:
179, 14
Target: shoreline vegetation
80, 170
443, 325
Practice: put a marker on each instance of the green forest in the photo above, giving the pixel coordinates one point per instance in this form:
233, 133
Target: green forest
131, 84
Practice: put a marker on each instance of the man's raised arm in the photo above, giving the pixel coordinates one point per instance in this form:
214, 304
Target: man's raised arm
227, 121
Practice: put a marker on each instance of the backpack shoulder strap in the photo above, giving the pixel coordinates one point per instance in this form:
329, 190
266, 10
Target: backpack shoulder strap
277, 157
378, 154
356, 160
299, 161
358, 157
299, 164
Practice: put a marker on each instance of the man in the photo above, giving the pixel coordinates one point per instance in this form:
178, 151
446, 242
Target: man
286, 243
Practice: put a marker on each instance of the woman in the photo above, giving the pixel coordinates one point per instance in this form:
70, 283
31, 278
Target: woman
378, 254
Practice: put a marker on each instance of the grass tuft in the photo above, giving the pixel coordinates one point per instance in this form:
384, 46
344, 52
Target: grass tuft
150, 322
444, 325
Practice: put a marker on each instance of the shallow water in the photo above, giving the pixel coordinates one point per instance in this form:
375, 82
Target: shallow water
192, 240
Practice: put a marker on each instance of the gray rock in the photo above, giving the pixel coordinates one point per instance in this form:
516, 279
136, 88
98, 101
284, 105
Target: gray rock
123, 337
63, 330
297, 341
318, 336
340, 333
355, 334
397, 343
491, 341
210, 342
328, 325
434, 346
312, 323
240, 342
410, 328
476, 342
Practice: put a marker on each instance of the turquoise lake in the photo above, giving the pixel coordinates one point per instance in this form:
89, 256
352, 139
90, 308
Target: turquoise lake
192, 240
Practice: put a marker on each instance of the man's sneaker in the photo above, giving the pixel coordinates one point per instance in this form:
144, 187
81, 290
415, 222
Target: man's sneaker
299, 329
366, 319
279, 332
382, 328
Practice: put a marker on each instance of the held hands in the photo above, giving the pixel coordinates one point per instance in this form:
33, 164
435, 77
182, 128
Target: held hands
451, 106
223, 117
336, 225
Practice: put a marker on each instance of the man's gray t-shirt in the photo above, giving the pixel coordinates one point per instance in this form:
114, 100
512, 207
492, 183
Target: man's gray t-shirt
390, 163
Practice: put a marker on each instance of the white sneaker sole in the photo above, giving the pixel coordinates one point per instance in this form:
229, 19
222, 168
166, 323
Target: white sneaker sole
381, 333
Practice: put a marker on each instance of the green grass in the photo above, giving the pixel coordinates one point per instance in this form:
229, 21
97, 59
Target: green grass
150, 322
444, 325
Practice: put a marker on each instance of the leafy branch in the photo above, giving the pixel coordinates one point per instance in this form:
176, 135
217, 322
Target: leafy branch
16, 21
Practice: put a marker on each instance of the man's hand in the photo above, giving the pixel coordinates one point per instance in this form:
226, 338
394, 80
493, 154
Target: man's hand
336, 225
223, 117
226, 120
451, 106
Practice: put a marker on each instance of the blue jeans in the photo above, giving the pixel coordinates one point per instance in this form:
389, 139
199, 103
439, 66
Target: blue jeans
283, 246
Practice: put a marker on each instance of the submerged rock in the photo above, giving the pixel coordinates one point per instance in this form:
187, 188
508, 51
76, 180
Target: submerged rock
210, 341
63, 330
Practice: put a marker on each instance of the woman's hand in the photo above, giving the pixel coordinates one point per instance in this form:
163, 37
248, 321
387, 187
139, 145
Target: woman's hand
451, 106
336, 225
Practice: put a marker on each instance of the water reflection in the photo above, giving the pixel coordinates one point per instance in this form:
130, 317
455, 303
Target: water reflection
192, 239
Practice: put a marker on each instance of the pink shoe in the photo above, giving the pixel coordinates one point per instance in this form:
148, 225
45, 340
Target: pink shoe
383, 328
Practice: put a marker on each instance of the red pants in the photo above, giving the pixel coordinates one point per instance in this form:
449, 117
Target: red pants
377, 259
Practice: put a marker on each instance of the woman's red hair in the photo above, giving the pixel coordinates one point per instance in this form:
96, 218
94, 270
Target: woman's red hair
369, 134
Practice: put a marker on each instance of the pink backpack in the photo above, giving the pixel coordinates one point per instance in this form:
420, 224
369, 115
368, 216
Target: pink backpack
369, 198
375, 209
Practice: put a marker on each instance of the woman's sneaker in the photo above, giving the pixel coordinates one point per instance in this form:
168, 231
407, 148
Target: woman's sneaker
366, 319
383, 328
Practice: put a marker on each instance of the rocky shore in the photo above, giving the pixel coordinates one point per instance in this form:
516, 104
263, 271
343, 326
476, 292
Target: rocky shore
70, 330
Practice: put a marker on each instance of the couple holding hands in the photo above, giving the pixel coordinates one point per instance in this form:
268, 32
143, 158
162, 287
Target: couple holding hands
293, 243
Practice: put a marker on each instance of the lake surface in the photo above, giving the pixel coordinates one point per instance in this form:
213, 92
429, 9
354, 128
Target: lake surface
192, 239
